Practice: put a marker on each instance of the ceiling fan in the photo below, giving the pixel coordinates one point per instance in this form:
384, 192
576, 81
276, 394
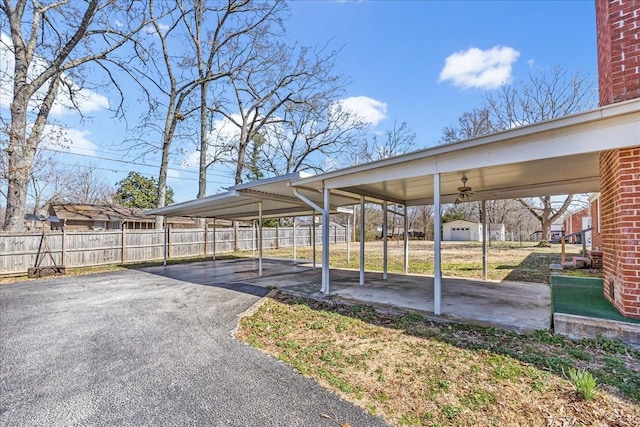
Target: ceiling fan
465, 194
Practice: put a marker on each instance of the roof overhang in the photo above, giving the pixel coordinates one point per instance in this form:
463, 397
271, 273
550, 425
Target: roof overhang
242, 201
555, 157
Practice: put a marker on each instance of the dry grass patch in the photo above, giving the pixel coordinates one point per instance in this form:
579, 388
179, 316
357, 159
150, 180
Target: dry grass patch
414, 372
506, 260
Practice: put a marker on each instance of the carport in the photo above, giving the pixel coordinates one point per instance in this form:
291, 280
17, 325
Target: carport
554, 157
266, 198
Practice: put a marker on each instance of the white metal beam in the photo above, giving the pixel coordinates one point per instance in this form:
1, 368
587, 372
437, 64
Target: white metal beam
437, 236
294, 240
406, 240
385, 214
313, 238
485, 233
347, 238
325, 241
362, 240
260, 239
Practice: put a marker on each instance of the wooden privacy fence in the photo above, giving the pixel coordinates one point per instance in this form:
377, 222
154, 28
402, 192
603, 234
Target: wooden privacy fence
18, 251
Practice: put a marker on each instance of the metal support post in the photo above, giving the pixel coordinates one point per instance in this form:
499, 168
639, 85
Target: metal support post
362, 240
437, 237
406, 241
385, 245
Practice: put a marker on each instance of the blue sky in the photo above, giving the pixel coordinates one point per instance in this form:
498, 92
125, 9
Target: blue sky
420, 62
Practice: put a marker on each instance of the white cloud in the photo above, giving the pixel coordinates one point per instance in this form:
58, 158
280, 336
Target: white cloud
69, 140
223, 132
476, 68
151, 29
173, 173
367, 109
86, 100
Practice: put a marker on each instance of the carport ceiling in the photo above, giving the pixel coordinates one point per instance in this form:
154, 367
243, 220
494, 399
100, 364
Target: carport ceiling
556, 157
241, 202
566, 175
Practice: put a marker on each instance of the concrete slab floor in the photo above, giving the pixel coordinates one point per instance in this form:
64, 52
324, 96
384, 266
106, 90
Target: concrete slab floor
511, 305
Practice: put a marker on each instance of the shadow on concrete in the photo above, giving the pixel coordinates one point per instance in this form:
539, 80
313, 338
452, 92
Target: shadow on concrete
511, 305
534, 268
227, 273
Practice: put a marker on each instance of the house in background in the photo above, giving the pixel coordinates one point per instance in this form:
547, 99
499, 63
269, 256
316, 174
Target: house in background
462, 231
85, 217
557, 231
574, 223
469, 231
583, 219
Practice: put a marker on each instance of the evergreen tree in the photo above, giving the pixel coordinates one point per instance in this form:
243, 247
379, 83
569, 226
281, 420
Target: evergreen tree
137, 191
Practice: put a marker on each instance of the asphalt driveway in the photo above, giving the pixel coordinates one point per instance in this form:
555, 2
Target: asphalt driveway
135, 348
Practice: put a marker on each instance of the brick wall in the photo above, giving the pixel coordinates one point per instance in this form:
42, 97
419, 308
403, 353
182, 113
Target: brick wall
618, 29
620, 228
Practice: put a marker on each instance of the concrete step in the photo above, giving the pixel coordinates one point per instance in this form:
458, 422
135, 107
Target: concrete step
580, 262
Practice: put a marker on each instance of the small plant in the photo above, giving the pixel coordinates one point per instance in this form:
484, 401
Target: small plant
444, 385
584, 383
451, 412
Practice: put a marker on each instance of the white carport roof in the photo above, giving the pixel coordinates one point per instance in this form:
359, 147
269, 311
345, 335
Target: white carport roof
241, 201
555, 157
559, 156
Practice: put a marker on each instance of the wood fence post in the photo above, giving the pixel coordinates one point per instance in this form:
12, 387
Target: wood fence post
123, 257
277, 235
64, 248
235, 236
214, 239
206, 226
169, 241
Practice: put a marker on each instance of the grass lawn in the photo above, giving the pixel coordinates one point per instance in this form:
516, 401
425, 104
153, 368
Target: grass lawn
505, 260
412, 371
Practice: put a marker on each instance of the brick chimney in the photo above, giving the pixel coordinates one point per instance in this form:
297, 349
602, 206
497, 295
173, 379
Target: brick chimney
618, 26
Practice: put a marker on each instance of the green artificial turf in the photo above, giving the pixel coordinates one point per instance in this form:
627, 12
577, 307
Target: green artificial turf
583, 296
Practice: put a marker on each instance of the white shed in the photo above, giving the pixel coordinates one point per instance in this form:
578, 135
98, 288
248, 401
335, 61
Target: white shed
460, 230
497, 232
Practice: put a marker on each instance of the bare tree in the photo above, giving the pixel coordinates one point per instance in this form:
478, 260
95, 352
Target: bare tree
546, 212
475, 123
277, 81
421, 221
226, 44
397, 140
216, 36
546, 95
310, 133
51, 46
45, 182
86, 186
